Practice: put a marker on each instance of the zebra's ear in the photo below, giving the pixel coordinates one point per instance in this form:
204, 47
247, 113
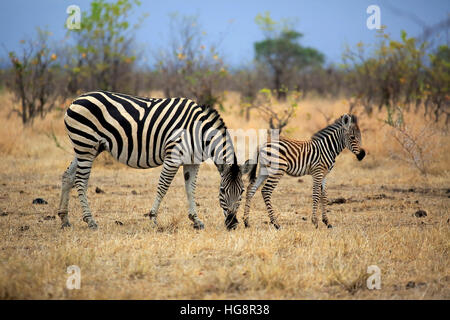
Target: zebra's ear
246, 167
220, 167
346, 121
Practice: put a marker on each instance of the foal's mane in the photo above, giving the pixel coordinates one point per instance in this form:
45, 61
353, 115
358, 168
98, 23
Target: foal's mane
330, 128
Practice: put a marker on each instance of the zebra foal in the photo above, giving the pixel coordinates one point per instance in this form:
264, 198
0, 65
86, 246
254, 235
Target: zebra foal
147, 133
315, 157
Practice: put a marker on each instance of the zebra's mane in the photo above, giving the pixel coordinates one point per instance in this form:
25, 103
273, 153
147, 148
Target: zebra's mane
332, 127
210, 110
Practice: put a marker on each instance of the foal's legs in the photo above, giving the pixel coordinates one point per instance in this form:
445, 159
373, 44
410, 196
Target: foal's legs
251, 190
324, 201
267, 189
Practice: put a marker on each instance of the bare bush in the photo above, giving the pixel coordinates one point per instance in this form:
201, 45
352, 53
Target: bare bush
277, 118
191, 67
248, 81
400, 73
416, 144
33, 80
324, 82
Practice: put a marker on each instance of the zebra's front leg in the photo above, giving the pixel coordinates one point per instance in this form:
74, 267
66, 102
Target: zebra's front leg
165, 179
68, 180
266, 191
190, 177
324, 201
317, 194
251, 190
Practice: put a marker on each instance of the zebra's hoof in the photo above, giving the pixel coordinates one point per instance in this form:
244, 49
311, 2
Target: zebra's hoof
153, 221
330, 226
276, 226
92, 225
199, 225
152, 217
66, 225
154, 224
246, 224
232, 227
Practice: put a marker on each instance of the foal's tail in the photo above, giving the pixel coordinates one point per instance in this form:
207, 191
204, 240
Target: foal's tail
253, 167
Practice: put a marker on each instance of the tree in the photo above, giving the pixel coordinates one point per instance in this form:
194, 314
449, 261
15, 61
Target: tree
189, 66
34, 78
248, 80
437, 90
398, 74
104, 54
282, 53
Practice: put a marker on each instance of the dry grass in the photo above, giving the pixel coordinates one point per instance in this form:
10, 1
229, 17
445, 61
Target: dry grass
375, 226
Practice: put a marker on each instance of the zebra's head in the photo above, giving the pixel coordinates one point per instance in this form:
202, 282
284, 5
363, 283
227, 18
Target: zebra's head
231, 189
352, 136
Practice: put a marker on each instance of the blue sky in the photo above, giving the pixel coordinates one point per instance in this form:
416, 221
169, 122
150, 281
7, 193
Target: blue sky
327, 25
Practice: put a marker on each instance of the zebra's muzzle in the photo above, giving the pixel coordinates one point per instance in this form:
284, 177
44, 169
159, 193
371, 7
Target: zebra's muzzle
361, 154
231, 221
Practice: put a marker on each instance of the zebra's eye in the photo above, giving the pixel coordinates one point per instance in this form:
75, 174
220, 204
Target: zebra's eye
352, 137
222, 189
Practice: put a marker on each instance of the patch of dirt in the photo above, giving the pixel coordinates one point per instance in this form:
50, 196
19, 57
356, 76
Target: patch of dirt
438, 192
342, 200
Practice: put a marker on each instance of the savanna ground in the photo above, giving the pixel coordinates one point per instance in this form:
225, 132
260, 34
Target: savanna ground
128, 259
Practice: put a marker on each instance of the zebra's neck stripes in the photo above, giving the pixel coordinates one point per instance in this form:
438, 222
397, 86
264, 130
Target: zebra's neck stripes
330, 141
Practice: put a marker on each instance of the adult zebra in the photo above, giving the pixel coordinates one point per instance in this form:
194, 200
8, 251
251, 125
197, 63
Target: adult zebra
314, 157
146, 133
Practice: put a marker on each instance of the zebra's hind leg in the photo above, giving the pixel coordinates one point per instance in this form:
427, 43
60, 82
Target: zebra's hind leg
251, 190
323, 201
266, 191
81, 182
68, 180
165, 179
190, 177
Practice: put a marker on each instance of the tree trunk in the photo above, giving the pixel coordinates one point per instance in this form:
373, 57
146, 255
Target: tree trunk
281, 94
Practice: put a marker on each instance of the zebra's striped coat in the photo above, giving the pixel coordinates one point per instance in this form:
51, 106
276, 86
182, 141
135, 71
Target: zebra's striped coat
146, 133
315, 157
